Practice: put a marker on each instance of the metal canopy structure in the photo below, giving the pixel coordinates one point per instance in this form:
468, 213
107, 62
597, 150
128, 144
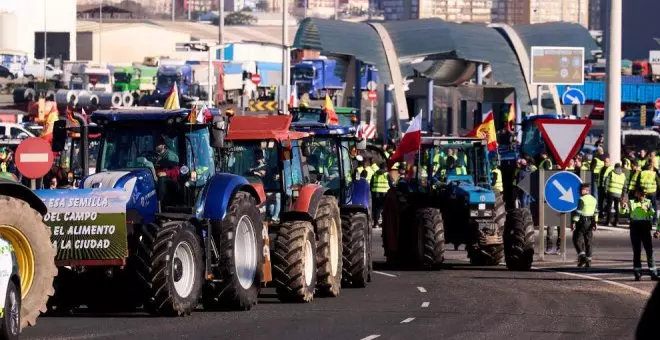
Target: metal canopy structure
344, 38
557, 34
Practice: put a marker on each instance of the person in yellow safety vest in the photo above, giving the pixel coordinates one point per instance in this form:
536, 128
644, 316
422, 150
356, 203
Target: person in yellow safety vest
602, 193
655, 160
595, 166
380, 184
6, 164
496, 178
454, 168
361, 166
615, 186
642, 159
584, 223
633, 176
546, 163
641, 212
648, 182
386, 151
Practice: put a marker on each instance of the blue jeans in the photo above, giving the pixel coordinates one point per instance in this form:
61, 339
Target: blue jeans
274, 204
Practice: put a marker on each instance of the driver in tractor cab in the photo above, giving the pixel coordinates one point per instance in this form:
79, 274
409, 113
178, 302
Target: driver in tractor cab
167, 162
259, 169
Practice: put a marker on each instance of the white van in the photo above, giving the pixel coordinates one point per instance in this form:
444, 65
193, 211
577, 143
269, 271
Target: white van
36, 70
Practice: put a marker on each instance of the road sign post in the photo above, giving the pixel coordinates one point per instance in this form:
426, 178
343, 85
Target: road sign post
564, 137
562, 193
541, 250
642, 116
34, 158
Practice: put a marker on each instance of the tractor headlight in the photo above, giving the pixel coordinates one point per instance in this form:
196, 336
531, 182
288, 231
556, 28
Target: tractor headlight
488, 213
474, 213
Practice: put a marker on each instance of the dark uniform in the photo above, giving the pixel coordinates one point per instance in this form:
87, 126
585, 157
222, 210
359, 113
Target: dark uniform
642, 213
584, 223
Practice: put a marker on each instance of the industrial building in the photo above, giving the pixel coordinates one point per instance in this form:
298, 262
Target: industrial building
25, 24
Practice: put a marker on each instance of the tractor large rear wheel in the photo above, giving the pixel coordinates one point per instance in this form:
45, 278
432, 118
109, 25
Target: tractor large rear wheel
294, 262
394, 211
329, 247
168, 263
23, 228
519, 240
239, 238
356, 235
430, 237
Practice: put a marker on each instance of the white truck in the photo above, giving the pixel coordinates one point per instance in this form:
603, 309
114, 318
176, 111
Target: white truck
36, 70
91, 78
654, 62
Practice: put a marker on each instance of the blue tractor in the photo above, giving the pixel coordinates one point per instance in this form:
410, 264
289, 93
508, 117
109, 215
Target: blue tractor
156, 225
331, 150
448, 195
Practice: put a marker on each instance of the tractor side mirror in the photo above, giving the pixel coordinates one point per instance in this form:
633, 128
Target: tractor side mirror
361, 144
219, 127
59, 135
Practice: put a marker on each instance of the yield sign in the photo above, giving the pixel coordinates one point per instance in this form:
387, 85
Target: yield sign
564, 137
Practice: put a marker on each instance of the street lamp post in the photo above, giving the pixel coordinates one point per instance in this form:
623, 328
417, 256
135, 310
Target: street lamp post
221, 27
286, 66
45, 41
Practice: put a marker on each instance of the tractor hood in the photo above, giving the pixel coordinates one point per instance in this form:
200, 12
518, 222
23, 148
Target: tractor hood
475, 194
89, 225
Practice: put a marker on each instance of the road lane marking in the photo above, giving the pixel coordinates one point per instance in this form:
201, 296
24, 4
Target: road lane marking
617, 284
408, 320
425, 304
371, 337
384, 274
421, 289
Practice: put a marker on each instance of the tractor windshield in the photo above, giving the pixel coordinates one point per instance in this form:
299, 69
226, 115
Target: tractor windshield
323, 162
257, 159
125, 148
122, 77
532, 140
200, 154
443, 161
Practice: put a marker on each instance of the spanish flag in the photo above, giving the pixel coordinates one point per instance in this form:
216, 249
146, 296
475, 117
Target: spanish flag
69, 117
511, 117
331, 115
49, 122
192, 116
172, 101
486, 130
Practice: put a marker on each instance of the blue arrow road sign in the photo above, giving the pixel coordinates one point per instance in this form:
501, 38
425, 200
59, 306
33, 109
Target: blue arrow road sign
562, 191
573, 96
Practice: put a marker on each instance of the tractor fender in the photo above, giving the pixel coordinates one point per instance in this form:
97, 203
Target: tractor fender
360, 194
217, 194
23, 193
307, 203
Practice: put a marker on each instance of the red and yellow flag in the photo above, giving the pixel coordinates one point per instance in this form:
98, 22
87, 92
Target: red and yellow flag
331, 115
486, 130
511, 117
192, 116
69, 116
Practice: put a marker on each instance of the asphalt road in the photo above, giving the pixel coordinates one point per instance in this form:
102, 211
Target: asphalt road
458, 302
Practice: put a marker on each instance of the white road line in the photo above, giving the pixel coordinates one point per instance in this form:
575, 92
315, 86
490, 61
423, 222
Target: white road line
425, 304
421, 289
408, 320
617, 284
384, 274
371, 337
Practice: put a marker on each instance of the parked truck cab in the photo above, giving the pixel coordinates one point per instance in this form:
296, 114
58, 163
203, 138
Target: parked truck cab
90, 78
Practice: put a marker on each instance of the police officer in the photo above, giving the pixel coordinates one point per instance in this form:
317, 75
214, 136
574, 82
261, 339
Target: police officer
496, 178
379, 187
596, 164
546, 163
364, 164
642, 212
648, 182
615, 184
584, 223
602, 192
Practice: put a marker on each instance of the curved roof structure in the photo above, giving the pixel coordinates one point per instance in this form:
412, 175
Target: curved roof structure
556, 34
343, 38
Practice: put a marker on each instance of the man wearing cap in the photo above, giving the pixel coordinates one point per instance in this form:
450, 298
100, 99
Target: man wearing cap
615, 185
584, 223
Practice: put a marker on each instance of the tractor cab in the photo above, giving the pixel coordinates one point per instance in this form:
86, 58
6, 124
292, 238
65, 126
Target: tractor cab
266, 152
348, 116
453, 161
70, 161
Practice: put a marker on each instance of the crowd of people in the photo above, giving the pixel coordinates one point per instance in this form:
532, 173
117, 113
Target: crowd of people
629, 187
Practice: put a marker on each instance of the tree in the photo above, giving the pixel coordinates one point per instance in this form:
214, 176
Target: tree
238, 18
262, 5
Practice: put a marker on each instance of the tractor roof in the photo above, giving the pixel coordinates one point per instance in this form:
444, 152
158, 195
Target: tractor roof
263, 128
456, 141
323, 129
142, 114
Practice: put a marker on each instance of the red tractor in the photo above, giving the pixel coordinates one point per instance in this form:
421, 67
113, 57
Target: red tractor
303, 218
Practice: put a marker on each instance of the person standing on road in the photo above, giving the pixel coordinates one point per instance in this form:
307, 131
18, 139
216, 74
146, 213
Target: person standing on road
596, 166
614, 186
602, 190
584, 224
648, 182
379, 187
496, 178
642, 212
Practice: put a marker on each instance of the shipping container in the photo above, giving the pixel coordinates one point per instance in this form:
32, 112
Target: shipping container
271, 73
645, 93
252, 51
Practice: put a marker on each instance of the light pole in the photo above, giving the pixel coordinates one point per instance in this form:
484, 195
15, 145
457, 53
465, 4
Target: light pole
100, 32
286, 66
221, 27
613, 84
45, 41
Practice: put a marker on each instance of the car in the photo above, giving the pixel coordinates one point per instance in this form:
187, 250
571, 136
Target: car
6, 73
10, 287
